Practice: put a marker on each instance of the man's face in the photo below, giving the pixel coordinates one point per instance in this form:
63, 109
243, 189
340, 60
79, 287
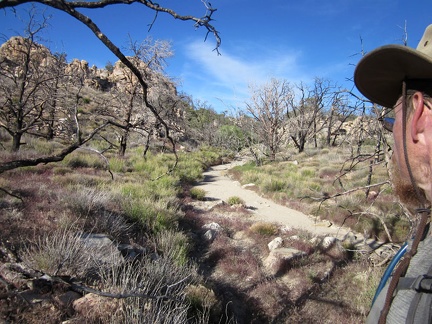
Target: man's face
400, 175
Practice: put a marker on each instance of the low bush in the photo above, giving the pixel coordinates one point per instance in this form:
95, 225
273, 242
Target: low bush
264, 229
41, 146
160, 292
84, 160
155, 216
65, 252
85, 201
197, 193
235, 200
110, 223
272, 184
117, 164
173, 244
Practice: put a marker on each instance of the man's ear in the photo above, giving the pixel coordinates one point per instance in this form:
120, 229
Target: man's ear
419, 117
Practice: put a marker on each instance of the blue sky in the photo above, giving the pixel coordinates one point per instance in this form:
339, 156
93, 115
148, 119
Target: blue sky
286, 39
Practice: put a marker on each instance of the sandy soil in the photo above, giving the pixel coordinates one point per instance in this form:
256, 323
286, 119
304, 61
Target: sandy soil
219, 187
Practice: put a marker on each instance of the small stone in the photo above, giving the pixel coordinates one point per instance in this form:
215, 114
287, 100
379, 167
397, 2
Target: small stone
275, 244
328, 242
212, 226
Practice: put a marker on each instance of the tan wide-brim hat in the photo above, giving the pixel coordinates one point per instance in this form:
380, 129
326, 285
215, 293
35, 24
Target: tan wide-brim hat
379, 74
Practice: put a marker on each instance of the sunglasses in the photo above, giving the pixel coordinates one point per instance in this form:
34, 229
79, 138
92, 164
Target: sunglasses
388, 122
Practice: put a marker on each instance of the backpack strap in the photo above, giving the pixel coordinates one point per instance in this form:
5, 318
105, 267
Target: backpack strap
420, 308
422, 283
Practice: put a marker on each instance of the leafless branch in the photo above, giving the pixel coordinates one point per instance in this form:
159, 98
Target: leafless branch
81, 288
11, 194
103, 157
327, 197
6, 166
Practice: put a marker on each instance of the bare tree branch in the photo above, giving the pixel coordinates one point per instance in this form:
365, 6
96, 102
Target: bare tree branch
6, 166
326, 197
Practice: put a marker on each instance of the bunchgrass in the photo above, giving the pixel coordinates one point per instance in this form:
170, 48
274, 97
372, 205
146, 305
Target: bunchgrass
117, 164
66, 252
173, 244
81, 159
235, 200
197, 193
85, 201
264, 229
41, 146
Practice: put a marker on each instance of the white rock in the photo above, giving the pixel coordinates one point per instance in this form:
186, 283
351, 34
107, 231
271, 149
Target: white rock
328, 242
275, 244
279, 258
212, 226
210, 235
248, 185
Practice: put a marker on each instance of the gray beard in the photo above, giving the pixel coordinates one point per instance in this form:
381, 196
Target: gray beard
406, 193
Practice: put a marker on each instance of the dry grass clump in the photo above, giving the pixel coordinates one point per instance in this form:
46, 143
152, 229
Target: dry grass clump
197, 193
110, 223
264, 229
84, 201
66, 252
89, 179
174, 245
157, 292
235, 200
350, 295
203, 301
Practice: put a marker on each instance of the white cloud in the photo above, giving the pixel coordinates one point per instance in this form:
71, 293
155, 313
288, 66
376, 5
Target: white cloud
225, 78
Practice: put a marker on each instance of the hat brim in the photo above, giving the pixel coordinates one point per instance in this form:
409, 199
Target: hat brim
379, 74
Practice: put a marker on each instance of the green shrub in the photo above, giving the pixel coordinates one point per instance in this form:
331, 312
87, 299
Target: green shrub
164, 188
274, 185
79, 160
61, 170
117, 164
156, 216
189, 170
234, 200
174, 245
197, 193
307, 173
42, 146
